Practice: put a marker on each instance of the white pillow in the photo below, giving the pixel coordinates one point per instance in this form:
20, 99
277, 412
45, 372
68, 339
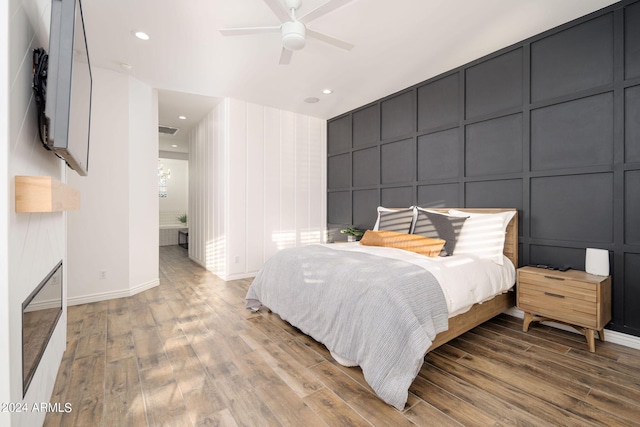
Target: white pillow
399, 220
483, 234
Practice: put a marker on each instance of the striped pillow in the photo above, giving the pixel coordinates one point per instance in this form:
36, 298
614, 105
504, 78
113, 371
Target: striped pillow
398, 220
439, 226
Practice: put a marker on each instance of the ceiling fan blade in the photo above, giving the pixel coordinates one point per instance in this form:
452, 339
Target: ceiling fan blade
328, 39
330, 6
248, 30
285, 56
280, 11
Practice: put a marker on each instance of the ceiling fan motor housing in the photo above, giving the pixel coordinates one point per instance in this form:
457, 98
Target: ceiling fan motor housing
293, 35
293, 4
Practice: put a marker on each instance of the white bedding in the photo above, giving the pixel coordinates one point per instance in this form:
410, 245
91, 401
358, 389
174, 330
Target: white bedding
465, 279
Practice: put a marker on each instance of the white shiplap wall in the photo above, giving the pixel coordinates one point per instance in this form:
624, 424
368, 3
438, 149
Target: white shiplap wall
257, 184
5, 340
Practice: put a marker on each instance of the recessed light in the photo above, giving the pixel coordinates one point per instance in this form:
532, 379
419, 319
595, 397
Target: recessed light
327, 91
126, 66
311, 100
174, 145
182, 117
141, 35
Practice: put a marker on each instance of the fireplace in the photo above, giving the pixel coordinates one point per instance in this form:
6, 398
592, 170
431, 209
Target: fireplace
40, 313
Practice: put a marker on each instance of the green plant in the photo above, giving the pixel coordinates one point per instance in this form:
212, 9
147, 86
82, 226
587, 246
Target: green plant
182, 218
352, 231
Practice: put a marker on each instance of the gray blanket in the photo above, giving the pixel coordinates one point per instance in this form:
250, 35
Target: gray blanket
381, 313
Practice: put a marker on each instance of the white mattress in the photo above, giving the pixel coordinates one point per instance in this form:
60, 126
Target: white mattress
465, 279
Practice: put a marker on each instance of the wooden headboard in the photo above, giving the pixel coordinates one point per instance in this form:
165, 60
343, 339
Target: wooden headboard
511, 239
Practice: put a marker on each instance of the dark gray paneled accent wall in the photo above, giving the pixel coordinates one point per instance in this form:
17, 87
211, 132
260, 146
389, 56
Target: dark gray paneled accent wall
550, 126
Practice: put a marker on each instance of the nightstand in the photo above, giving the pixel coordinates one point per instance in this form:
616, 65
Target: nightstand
572, 297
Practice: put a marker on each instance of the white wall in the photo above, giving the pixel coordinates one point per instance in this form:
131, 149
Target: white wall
177, 200
98, 232
5, 328
204, 152
35, 242
143, 187
116, 228
257, 185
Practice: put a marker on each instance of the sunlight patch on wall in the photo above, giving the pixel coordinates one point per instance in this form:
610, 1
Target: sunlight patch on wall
284, 239
308, 237
215, 256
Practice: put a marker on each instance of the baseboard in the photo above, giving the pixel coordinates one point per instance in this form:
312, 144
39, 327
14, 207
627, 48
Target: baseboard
103, 296
230, 277
610, 336
197, 261
44, 305
225, 277
144, 286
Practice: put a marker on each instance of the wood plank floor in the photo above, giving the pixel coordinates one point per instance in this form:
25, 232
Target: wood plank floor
187, 353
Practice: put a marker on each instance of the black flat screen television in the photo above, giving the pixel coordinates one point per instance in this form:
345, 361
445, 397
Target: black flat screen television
67, 110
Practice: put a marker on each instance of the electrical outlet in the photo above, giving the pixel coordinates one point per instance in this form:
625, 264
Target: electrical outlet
102, 274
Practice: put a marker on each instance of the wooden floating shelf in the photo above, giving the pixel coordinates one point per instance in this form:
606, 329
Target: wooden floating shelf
45, 194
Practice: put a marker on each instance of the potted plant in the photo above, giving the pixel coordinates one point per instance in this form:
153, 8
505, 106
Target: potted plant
182, 218
352, 233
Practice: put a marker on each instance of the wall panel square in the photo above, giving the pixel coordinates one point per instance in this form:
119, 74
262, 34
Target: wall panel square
502, 193
632, 207
397, 162
339, 207
494, 85
366, 167
398, 115
397, 197
494, 146
366, 126
631, 41
573, 134
577, 58
632, 124
557, 256
339, 171
339, 134
365, 205
438, 103
439, 195
438, 155
577, 208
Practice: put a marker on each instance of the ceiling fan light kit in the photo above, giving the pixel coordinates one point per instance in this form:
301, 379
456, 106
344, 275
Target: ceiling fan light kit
293, 35
293, 30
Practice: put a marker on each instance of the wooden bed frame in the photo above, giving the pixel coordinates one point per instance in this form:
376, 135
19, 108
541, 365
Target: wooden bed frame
480, 313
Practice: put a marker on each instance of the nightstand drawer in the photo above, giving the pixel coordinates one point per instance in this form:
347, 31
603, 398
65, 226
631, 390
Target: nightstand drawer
564, 286
553, 303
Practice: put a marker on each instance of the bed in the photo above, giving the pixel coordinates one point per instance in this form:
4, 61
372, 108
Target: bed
384, 308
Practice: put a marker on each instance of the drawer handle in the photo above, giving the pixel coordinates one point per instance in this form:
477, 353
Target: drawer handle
553, 278
554, 295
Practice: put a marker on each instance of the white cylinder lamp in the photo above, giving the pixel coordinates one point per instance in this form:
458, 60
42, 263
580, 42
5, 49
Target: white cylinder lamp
597, 262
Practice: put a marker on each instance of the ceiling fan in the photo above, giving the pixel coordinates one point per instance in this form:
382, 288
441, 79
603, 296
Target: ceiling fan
293, 29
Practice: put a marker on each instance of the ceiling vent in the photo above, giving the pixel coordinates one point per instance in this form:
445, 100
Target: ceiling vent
167, 130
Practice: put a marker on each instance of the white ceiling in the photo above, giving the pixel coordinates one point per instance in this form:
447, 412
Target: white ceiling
172, 105
397, 44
